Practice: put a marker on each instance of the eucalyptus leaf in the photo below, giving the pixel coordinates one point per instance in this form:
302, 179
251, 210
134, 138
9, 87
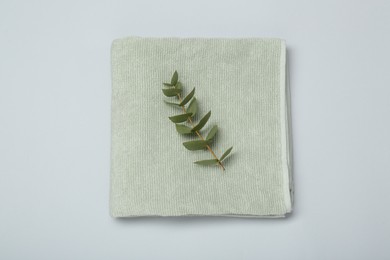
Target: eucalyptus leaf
212, 132
202, 122
193, 107
172, 103
183, 129
207, 162
171, 92
179, 85
168, 84
196, 145
174, 79
180, 118
226, 154
187, 98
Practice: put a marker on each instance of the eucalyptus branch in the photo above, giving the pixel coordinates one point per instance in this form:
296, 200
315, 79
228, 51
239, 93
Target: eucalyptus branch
174, 89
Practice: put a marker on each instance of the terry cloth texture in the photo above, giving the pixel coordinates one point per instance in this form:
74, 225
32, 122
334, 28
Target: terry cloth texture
243, 83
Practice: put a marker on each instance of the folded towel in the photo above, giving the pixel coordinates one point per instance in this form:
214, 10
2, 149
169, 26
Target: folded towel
243, 83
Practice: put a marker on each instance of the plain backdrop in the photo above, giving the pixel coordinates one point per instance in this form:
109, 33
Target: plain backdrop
55, 87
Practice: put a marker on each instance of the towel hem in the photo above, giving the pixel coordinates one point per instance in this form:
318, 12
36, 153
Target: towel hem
284, 129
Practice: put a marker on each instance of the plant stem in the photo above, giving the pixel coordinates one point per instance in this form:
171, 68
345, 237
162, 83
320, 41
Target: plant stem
200, 136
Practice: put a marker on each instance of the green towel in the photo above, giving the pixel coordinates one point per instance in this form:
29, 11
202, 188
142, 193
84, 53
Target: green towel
243, 83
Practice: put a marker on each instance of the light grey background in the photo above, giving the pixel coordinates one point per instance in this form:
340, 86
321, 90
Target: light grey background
55, 130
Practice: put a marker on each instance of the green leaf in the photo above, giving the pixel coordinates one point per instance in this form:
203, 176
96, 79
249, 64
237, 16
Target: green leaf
170, 92
212, 133
183, 129
168, 84
196, 145
193, 107
226, 154
207, 162
202, 122
180, 118
174, 79
171, 103
179, 85
187, 98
